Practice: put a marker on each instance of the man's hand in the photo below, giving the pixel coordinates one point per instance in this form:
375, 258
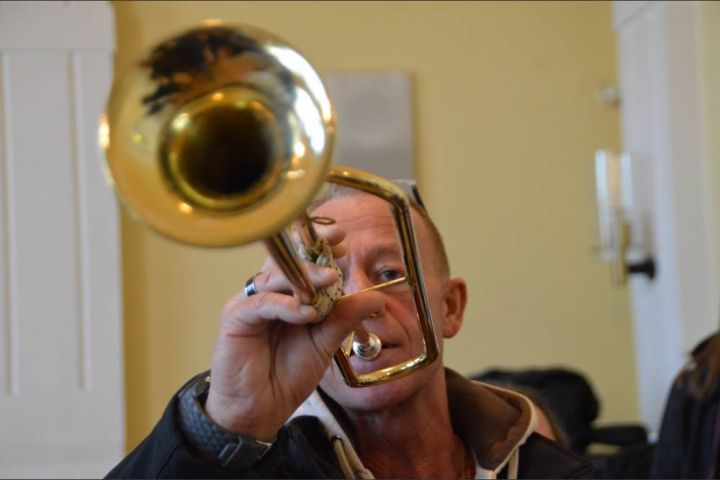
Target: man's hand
269, 356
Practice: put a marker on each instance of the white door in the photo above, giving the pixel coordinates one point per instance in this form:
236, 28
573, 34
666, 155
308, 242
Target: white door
61, 395
662, 122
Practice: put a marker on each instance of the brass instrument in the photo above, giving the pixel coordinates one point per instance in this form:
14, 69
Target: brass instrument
223, 136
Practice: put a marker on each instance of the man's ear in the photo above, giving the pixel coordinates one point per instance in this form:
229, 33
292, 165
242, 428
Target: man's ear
454, 307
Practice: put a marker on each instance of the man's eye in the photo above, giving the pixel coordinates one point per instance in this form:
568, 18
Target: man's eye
389, 274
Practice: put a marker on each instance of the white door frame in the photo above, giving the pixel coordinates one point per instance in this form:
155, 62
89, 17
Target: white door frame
61, 372
663, 130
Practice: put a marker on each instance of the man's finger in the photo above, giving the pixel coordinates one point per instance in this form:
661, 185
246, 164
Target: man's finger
339, 250
332, 233
263, 307
273, 280
345, 316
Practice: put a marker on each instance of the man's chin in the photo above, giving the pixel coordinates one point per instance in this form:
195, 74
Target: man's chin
376, 397
365, 399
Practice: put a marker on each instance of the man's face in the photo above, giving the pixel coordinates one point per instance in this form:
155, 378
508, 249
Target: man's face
374, 256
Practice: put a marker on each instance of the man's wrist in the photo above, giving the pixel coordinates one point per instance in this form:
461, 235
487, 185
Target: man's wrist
230, 449
234, 417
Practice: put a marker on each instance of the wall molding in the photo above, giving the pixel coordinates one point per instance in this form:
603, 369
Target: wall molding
9, 262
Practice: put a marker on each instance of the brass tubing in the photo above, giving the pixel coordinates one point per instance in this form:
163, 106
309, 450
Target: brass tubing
379, 286
306, 231
282, 249
401, 207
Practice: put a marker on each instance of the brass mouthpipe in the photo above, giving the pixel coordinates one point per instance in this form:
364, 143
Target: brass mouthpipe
283, 251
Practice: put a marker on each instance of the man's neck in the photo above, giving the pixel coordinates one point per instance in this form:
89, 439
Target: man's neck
413, 439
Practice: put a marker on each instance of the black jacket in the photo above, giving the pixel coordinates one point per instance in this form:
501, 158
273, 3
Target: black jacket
688, 445
302, 448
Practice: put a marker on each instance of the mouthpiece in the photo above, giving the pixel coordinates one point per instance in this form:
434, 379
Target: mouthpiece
368, 349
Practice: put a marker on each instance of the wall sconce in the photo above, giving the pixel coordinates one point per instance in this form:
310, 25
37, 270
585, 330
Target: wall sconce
613, 182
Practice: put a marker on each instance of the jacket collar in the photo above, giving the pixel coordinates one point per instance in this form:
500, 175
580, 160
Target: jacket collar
494, 422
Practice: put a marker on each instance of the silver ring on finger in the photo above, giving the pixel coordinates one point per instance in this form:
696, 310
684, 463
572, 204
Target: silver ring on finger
250, 289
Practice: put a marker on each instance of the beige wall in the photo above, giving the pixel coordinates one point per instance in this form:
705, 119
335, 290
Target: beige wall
710, 42
507, 123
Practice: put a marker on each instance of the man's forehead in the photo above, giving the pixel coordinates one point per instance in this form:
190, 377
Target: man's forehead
357, 208
362, 209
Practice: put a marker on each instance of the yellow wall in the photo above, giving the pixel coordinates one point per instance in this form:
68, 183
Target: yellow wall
507, 123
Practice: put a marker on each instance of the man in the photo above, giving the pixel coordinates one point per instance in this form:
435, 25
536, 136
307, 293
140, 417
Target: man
275, 405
